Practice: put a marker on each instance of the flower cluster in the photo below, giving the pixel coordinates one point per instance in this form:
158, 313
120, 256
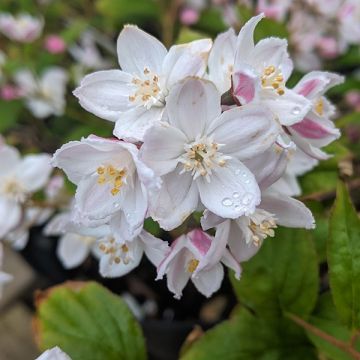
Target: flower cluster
202, 127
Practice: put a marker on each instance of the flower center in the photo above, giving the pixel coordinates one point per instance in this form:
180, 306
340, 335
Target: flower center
319, 106
273, 79
118, 252
14, 190
147, 91
112, 176
262, 225
201, 157
192, 265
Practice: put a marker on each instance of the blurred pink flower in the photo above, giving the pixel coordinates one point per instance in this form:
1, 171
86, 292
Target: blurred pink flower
10, 92
54, 44
189, 16
328, 47
352, 98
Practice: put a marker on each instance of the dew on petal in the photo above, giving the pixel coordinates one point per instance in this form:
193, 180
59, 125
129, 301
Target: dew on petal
247, 199
296, 110
236, 195
227, 202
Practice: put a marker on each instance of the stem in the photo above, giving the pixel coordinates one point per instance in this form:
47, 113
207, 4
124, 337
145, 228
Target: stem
169, 20
342, 345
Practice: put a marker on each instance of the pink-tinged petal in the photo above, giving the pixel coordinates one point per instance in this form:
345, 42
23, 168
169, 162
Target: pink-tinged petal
138, 50
200, 240
34, 171
245, 40
221, 60
229, 261
315, 130
110, 269
231, 192
162, 147
245, 131
176, 200
246, 84
10, 215
106, 93
289, 108
186, 60
209, 281
210, 220
72, 250
288, 211
316, 83
269, 166
191, 106
132, 124
155, 249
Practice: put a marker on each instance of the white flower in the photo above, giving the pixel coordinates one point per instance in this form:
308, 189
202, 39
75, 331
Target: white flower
44, 96
119, 258
259, 72
134, 97
197, 256
4, 277
19, 178
23, 28
111, 183
316, 129
199, 153
349, 18
53, 354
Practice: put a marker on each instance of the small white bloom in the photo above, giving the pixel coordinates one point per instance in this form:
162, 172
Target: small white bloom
53, 354
19, 178
44, 96
23, 27
200, 153
134, 97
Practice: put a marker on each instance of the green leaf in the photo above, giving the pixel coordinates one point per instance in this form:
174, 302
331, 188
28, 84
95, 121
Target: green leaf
283, 276
344, 258
211, 22
351, 118
10, 111
326, 319
88, 322
186, 35
319, 181
247, 337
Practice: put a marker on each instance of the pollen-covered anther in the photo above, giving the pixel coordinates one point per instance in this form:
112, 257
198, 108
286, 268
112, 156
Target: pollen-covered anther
319, 107
117, 252
192, 265
113, 176
201, 157
273, 79
261, 225
147, 89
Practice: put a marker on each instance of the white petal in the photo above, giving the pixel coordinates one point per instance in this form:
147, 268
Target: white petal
210, 220
57, 224
186, 60
138, 50
72, 250
229, 261
34, 171
132, 124
290, 108
192, 105
10, 215
209, 281
53, 354
221, 60
231, 192
176, 200
288, 211
9, 158
106, 93
26, 81
245, 131
155, 249
18, 237
41, 108
163, 145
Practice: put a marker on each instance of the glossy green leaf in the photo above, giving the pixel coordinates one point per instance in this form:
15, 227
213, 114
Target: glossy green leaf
283, 276
88, 322
319, 181
247, 337
344, 258
10, 111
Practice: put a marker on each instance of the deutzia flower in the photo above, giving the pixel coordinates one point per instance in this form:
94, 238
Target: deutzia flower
4, 277
53, 354
199, 153
259, 72
111, 183
23, 28
134, 97
44, 96
316, 129
19, 178
119, 258
195, 256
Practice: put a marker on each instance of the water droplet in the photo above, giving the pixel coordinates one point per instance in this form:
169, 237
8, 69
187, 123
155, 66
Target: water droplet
236, 195
237, 172
227, 202
116, 205
247, 199
238, 208
128, 216
296, 110
247, 181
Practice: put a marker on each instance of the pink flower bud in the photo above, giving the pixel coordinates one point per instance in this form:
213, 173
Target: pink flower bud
189, 16
328, 47
10, 92
54, 44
